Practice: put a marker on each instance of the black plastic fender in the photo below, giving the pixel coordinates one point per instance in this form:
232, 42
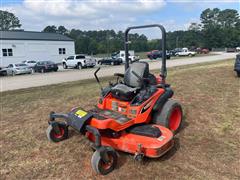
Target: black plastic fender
72, 119
163, 99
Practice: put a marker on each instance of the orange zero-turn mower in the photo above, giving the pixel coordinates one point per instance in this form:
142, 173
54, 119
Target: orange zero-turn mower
135, 115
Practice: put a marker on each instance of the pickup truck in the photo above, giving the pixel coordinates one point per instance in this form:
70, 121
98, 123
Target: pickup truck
186, 52
78, 61
121, 55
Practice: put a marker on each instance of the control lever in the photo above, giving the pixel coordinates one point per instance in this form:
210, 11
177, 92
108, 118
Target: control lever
96, 77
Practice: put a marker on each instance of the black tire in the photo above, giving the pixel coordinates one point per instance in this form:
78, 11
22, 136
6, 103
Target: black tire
54, 137
79, 66
65, 66
170, 116
55, 70
238, 73
100, 166
13, 73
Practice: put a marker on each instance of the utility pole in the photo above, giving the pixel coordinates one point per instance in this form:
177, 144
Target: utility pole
177, 42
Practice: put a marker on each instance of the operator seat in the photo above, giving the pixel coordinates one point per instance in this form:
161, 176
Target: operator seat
127, 90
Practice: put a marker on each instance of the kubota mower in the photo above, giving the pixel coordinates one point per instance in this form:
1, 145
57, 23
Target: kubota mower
135, 115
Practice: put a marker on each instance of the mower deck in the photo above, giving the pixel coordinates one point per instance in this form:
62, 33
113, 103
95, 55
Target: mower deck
152, 147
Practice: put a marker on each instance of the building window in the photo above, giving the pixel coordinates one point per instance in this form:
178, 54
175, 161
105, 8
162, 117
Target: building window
61, 50
7, 52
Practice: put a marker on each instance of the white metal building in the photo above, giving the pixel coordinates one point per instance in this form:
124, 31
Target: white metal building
17, 46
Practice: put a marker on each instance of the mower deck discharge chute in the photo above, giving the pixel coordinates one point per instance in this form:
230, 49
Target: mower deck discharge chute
135, 115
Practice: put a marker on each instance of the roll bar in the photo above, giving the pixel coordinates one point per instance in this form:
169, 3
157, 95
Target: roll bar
163, 72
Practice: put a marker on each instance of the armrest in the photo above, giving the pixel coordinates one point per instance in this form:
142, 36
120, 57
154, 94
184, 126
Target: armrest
119, 74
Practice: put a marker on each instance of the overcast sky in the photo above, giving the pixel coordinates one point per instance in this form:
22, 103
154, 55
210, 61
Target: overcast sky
111, 14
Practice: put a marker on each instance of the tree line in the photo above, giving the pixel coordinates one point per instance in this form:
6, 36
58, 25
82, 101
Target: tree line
217, 29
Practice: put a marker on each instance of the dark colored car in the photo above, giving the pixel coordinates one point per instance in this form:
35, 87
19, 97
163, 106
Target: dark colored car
3, 72
175, 51
202, 50
45, 66
157, 54
237, 65
110, 61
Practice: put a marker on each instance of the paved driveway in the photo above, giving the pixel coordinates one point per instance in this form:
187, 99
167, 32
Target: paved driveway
37, 79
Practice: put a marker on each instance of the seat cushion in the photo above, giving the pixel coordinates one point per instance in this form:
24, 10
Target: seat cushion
123, 92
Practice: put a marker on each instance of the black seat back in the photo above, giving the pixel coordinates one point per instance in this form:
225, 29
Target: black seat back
141, 69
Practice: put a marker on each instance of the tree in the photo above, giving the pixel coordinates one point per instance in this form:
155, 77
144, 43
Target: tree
194, 27
8, 21
62, 30
228, 18
220, 28
50, 29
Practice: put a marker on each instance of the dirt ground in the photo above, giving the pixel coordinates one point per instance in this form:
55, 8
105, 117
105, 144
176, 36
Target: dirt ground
208, 147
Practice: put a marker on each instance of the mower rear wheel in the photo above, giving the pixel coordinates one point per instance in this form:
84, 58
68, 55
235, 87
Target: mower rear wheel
102, 167
53, 136
169, 116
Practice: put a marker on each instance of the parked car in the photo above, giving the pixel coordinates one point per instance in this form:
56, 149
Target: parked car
231, 50
13, 69
121, 55
3, 72
202, 50
30, 63
237, 49
110, 61
237, 65
174, 51
186, 52
78, 61
45, 66
157, 54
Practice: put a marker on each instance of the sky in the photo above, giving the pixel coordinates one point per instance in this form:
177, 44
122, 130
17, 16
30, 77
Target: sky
34, 15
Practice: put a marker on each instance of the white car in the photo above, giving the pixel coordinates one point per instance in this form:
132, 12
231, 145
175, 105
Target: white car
186, 52
31, 64
13, 69
78, 61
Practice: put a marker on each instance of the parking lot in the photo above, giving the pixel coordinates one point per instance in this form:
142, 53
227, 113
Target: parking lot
63, 75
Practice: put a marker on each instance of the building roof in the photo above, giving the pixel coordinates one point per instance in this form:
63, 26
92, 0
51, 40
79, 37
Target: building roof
31, 35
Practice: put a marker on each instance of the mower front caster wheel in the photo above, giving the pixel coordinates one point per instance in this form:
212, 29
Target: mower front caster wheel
55, 136
107, 166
